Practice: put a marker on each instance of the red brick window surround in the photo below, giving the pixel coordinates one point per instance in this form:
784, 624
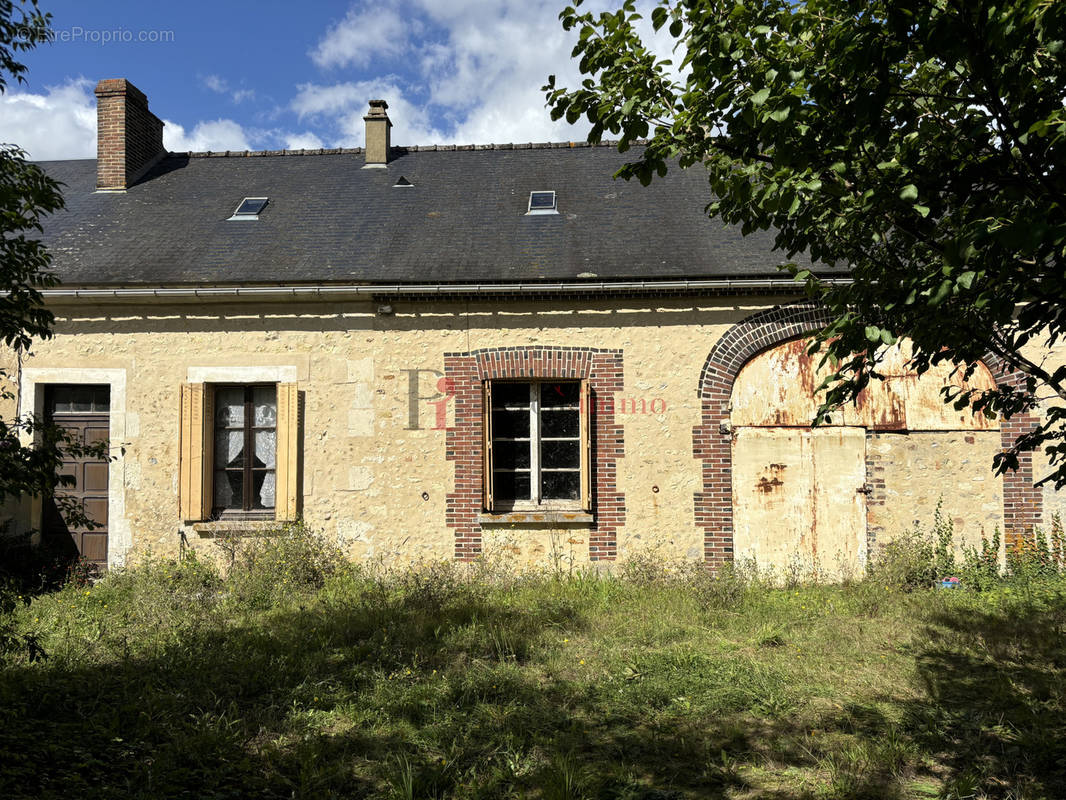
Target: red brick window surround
712, 440
466, 374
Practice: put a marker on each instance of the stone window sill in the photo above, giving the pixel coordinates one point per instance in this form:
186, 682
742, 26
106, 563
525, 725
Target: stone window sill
239, 527
553, 516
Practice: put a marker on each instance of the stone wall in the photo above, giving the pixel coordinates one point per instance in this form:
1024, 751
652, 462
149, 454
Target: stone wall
377, 412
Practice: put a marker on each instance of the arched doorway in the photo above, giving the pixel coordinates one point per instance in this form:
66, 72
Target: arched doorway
713, 439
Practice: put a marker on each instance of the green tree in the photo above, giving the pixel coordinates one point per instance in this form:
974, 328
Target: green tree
27, 195
919, 143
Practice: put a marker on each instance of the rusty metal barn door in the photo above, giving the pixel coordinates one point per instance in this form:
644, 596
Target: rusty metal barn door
85, 412
797, 499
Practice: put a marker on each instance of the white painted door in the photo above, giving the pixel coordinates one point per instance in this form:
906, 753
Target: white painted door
797, 504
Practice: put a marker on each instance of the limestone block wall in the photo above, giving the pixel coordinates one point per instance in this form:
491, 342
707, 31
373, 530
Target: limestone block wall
376, 414
377, 410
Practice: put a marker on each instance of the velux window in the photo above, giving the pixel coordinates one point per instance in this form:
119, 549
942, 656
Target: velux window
537, 445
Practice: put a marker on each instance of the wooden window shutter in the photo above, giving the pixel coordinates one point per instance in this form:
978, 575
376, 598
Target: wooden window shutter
486, 446
586, 446
194, 471
287, 497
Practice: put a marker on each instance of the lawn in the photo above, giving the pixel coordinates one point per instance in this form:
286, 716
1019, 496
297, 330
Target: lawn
300, 676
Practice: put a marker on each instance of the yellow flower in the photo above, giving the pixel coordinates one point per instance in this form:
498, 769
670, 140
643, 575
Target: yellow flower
582, 661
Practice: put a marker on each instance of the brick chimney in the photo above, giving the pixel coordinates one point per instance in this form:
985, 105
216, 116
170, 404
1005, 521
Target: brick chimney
129, 137
377, 134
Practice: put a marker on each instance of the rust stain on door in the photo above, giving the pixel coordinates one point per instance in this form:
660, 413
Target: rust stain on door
812, 518
777, 389
771, 478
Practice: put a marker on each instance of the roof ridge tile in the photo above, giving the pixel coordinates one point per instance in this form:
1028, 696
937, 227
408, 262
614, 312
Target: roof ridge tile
414, 148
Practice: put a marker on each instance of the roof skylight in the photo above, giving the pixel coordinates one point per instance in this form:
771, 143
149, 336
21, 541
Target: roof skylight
542, 203
249, 208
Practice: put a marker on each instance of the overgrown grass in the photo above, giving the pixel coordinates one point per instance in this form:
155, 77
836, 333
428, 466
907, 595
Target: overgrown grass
299, 675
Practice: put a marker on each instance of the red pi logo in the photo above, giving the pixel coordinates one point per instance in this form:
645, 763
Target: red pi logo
439, 399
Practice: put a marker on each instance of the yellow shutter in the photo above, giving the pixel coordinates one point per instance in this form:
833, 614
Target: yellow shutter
586, 446
194, 472
287, 464
486, 446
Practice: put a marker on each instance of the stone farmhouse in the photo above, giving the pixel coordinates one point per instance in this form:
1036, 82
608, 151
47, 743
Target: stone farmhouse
449, 351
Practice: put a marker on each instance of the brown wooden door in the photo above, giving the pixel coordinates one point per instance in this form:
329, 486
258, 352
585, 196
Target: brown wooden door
85, 412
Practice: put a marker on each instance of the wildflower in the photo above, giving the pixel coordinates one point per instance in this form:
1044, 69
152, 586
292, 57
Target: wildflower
582, 661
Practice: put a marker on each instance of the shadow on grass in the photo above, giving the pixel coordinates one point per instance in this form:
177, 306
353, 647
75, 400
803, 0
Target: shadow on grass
352, 701
452, 700
994, 706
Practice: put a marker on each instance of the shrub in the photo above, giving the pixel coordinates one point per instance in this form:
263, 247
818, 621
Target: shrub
292, 558
918, 558
980, 568
1042, 556
906, 562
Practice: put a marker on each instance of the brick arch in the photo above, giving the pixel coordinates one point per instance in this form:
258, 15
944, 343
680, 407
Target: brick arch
713, 439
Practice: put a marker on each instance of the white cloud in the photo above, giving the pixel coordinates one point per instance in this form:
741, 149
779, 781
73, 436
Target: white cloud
464, 71
302, 141
342, 107
221, 86
61, 123
216, 84
375, 32
216, 135
476, 78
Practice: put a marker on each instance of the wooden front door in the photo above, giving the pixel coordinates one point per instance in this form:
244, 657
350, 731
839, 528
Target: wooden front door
85, 412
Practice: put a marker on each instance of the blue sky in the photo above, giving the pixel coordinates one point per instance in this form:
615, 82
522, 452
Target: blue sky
230, 75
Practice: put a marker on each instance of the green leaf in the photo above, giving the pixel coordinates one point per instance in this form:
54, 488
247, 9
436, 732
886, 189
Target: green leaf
966, 279
760, 97
909, 192
941, 292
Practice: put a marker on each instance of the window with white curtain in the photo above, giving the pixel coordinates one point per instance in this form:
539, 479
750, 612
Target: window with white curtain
245, 450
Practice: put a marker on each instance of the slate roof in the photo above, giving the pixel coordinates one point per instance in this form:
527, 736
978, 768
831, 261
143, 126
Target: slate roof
329, 220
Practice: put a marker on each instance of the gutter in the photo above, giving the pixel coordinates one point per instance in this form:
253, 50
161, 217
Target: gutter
434, 290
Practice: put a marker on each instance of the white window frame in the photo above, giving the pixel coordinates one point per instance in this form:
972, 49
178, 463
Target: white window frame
536, 501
